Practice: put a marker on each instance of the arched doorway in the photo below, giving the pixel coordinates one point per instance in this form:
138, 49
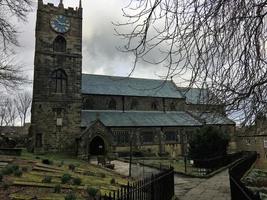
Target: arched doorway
97, 146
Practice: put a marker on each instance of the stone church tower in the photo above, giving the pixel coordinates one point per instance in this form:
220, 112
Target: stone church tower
56, 106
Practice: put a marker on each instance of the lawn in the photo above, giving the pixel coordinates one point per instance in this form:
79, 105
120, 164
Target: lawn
158, 162
42, 180
177, 164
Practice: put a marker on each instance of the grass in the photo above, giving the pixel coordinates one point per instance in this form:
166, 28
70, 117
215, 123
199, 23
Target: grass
32, 180
178, 165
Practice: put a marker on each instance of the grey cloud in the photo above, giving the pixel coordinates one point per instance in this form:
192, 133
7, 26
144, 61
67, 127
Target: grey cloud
99, 42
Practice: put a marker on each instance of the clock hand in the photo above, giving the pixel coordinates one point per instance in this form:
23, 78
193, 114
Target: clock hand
62, 23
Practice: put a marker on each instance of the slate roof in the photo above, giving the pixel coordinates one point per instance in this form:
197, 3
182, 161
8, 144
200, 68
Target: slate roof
211, 118
139, 118
199, 96
115, 85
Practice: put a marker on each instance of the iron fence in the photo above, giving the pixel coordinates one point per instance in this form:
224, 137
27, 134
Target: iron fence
156, 187
238, 189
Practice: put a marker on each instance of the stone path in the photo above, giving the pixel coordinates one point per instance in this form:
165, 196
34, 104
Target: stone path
214, 188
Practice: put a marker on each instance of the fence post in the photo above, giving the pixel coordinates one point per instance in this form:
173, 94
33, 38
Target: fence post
128, 190
155, 187
152, 187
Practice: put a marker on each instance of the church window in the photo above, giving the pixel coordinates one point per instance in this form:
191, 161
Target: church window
134, 104
59, 44
88, 103
172, 106
112, 104
170, 136
39, 140
154, 106
147, 137
59, 81
58, 112
121, 136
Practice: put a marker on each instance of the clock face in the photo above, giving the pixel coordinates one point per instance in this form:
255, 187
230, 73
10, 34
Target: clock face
60, 24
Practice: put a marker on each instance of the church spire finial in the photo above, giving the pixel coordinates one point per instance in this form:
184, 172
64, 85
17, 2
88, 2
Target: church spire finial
80, 4
61, 4
40, 3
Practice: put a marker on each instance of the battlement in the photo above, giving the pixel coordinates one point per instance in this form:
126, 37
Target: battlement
51, 8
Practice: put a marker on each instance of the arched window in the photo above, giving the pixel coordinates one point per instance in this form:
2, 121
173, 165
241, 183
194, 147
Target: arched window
59, 44
59, 81
88, 103
134, 104
112, 104
172, 106
154, 106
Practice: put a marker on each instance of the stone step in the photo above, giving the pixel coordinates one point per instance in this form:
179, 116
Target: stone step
3, 164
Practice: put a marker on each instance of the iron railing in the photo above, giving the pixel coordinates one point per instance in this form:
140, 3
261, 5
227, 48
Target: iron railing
156, 187
238, 189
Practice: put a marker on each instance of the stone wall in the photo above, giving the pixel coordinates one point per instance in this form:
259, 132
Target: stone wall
102, 102
159, 142
254, 143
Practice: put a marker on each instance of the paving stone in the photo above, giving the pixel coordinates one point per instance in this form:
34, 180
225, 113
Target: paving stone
214, 188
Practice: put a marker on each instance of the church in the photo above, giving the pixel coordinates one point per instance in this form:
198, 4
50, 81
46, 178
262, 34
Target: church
88, 114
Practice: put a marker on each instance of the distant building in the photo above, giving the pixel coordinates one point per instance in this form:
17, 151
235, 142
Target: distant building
91, 114
254, 138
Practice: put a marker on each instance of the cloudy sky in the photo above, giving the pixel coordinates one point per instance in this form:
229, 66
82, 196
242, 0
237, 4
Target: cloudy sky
100, 54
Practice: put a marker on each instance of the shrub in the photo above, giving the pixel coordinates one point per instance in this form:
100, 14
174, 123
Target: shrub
57, 188
112, 181
70, 196
65, 178
1, 177
208, 142
92, 191
5, 186
61, 163
47, 179
18, 173
47, 162
77, 181
9, 169
14, 167
71, 167
102, 175
24, 169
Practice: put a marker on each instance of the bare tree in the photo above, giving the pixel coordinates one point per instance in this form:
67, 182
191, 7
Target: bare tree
10, 73
3, 111
213, 44
23, 103
8, 9
11, 112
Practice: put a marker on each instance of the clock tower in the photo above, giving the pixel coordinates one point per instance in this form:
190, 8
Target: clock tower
56, 106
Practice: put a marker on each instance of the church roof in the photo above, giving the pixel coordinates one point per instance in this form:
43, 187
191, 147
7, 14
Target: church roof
199, 96
139, 118
125, 86
212, 118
